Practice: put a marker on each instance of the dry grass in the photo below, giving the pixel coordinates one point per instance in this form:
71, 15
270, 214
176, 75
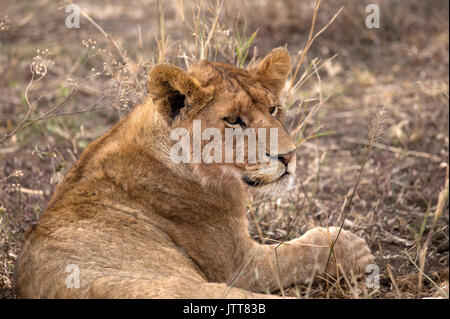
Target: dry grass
83, 80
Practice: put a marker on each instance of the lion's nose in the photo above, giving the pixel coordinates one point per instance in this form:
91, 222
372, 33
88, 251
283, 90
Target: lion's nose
286, 158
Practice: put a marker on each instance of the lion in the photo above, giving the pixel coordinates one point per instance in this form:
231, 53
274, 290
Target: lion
128, 222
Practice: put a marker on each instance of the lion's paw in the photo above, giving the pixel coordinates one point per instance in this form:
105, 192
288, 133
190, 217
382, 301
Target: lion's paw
351, 252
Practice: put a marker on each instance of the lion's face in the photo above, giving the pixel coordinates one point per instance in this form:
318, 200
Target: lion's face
231, 101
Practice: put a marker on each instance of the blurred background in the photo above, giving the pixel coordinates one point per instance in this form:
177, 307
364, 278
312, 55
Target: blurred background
61, 88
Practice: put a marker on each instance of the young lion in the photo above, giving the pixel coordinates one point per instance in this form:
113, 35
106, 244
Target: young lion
128, 222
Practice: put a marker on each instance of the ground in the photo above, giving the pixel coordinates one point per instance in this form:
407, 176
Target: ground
402, 66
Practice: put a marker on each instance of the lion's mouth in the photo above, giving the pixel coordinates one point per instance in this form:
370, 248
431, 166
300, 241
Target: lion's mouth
257, 183
251, 182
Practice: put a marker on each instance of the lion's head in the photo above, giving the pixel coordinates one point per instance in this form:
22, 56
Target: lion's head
222, 97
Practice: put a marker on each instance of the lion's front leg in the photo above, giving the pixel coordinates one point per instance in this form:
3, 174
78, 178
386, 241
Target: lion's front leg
271, 267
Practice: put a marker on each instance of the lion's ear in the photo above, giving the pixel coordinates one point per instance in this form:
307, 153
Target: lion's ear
274, 69
176, 86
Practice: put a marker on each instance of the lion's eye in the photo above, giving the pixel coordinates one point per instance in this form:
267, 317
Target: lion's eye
233, 121
274, 110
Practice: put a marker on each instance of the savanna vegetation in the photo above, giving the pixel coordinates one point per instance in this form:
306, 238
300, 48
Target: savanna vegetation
369, 108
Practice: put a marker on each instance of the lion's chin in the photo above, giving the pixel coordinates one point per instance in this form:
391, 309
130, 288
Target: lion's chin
275, 188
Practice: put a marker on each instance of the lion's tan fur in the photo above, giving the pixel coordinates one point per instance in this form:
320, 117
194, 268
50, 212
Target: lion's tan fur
138, 225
